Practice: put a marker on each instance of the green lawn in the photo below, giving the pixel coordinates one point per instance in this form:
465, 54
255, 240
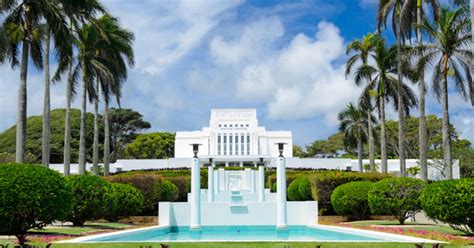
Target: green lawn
76, 231
249, 245
426, 227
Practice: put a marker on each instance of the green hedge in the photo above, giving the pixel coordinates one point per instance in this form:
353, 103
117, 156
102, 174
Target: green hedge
452, 202
299, 190
350, 199
90, 198
169, 191
31, 196
324, 182
149, 185
123, 200
399, 197
184, 187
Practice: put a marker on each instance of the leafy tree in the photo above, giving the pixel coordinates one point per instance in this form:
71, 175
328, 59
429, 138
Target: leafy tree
31, 197
396, 196
151, 145
451, 201
298, 152
332, 145
450, 53
34, 137
124, 125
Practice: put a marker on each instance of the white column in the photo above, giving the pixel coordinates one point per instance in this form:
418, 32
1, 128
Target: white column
210, 184
228, 143
245, 144
254, 182
281, 194
195, 222
261, 184
217, 181
241, 163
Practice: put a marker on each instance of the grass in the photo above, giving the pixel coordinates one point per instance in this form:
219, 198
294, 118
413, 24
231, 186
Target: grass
247, 245
426, 227
78, 231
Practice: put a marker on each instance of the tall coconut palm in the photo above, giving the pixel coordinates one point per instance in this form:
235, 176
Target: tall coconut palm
450, 54
92, 66
77, 12
45, 138
382, 78
118, 50
362, 48
422, 136
402, 13
22, 26
353, 123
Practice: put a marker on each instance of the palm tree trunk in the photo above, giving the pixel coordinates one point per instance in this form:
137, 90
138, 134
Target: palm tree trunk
106, 138
422, 118
401, 116
95, 148
359, 154
82, 135
383, 141
46, 139
446, 136
371, 142
67, 122
22, 97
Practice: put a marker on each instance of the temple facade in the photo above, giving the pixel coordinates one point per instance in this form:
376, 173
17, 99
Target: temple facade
233, 136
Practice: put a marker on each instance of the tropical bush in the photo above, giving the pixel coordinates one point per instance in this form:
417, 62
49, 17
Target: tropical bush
184, 187
169, 191
305, 189
148, 184
31, 196
122, 201
323, 184
294, 191
299, 189
350, 199
452, 202
399, 197
90, 198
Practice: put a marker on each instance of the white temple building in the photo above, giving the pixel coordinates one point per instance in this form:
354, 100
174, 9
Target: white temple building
233, 137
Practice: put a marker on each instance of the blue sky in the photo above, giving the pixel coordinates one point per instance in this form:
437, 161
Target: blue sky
284, 58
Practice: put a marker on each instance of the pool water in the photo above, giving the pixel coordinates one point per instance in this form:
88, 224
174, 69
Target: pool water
233, 233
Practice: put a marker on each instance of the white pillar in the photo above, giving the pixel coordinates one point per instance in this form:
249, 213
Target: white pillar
226, 163
281, 194
195, 195
241, 163
254, 181
210, 184
217, 181
261, 184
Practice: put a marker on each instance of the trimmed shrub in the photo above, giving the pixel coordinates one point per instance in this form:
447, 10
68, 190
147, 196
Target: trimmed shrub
148, 184
294, 190
31, 196
452, 202
169, 191
399, 197
305, 189
323, 184
122, 201
350, 199
184, 187
90, 199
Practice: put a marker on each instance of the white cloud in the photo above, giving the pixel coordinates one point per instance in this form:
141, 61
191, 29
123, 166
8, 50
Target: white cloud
296, 81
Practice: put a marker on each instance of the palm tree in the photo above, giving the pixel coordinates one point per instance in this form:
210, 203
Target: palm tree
381, 78
118, 50
363, 48
354, 122
77, 12
450, 54
45, 138
22, 25
402, 13
92, 66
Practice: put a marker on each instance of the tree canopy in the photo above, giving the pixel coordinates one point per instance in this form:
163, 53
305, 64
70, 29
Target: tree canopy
151, 145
